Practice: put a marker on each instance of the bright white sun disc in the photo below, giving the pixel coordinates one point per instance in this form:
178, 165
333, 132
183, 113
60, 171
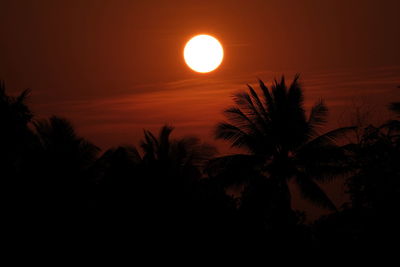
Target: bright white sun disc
203, 53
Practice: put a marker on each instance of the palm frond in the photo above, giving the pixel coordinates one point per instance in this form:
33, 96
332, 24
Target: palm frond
317, 118
55, 129
245, 104
258, 103
23, 96
312, 192
330, 137
62, 126
133, 154
279, 91
229, 132
164, 142
240, 119
295, 93
87, 152
323, 163
149, 145
269, 101
190, 150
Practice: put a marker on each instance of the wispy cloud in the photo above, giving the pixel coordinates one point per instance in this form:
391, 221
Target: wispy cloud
195, 105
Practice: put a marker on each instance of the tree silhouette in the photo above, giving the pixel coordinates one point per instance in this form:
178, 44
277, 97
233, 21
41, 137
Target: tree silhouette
66, 159
371, 216
58, 138
157, 191
375, 184
173, 166
172, 188
18, 146
15, 135
181, 157
283, 142
164, 168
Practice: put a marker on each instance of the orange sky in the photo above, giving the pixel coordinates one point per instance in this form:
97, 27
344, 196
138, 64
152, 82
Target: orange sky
116, 67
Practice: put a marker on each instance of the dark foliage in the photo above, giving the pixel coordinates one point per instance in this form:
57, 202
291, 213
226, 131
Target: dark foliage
370, 222
175, 195
283, 142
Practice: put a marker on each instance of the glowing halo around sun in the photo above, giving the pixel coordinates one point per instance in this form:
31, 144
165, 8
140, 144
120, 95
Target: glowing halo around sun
203, 53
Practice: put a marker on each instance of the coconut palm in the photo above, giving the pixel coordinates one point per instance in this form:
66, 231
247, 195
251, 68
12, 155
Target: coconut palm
17, 149
15, 136
283, 142
178, 157
65, 162
164, 166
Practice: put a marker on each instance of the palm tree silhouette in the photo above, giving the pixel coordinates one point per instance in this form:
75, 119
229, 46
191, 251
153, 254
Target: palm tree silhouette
165, 168
14, 109
181, 157
18, 146
58, 137
15, 136
283, 142
156, 188
66, 159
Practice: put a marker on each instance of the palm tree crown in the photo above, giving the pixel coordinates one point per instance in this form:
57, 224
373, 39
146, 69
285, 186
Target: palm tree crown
274, 127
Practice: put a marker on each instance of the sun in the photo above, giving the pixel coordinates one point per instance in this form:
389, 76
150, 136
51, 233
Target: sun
203, 53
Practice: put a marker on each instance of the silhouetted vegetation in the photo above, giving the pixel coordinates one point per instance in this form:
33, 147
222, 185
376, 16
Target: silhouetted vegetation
59, 185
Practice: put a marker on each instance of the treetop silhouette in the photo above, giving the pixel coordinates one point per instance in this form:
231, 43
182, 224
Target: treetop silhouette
283, 142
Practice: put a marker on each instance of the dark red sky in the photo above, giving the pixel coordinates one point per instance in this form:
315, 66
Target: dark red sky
115, 67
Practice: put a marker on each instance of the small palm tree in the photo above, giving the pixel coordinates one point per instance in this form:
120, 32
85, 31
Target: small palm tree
177, 157
165, 167
283, 142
